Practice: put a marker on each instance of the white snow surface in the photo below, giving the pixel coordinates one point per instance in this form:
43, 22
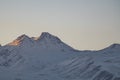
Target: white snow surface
48, 58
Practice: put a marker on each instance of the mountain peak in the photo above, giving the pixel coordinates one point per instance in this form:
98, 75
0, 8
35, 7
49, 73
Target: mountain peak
45, 36
48, 40
19, 40
22, 37
115, 45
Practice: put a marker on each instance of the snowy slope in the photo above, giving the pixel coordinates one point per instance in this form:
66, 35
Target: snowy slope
48, 58
98, 65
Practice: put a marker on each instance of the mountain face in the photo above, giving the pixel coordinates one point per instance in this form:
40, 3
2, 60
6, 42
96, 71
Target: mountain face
48, 58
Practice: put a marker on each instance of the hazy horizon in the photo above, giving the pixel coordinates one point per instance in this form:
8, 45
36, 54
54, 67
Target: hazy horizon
82, 24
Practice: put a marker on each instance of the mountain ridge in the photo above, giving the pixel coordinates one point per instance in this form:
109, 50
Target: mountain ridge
48, 58
46, 38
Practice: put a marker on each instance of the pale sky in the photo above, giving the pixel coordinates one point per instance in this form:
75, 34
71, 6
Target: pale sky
83, 24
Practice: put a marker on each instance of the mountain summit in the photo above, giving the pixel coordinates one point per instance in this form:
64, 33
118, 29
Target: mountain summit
48, 36
113, 46
46, 40
23, 39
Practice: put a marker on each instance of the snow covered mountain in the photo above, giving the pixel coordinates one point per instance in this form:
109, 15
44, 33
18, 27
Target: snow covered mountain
48, 58
46, 40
